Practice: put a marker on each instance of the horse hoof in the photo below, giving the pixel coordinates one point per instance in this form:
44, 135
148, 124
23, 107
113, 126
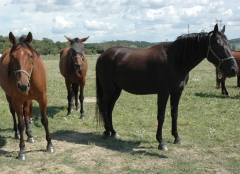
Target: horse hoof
22, 156
68, 114
115, 135
178, 142
31, 140
17, 136
50, 149
82, 117
162, 147
106, 135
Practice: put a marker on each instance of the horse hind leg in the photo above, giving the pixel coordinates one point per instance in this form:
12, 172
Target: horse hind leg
111, 105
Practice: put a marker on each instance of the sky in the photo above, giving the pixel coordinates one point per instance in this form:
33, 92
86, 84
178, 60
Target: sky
110, 20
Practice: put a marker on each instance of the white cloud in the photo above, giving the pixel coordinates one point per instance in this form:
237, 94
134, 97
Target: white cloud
97, 25
150, 20
61, 25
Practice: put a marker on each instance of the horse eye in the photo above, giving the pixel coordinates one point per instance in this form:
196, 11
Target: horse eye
31, 57
220, 42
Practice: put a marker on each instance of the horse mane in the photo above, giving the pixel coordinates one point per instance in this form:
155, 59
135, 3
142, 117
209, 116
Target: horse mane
186, 48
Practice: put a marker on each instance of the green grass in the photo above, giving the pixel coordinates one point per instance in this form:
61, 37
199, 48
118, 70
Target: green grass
208, 125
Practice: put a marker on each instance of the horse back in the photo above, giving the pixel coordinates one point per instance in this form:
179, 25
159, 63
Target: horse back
138, 71
236, 55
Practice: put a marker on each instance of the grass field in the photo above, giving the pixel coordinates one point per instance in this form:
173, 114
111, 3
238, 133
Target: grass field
209, 125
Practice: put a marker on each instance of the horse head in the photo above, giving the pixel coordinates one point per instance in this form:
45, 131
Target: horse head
77, 51
21, 60
219, 52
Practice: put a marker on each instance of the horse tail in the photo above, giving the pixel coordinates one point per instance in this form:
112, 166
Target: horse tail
99, 97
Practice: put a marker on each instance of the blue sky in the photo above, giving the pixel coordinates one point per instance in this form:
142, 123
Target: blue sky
107, 20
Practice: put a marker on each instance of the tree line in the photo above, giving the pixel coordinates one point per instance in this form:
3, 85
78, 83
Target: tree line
47, 46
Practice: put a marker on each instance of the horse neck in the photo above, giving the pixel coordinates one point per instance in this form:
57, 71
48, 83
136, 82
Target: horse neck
191, 52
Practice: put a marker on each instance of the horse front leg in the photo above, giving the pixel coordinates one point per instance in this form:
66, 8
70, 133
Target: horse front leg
162, 102
44, 121
12, 110
18, 108
27, 112
81, 98
174, 101
69, 98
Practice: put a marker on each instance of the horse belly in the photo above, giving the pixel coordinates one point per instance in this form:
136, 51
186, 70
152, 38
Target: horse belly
137, 84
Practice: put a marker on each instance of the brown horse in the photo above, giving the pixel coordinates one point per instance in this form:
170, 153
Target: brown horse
221, 77
23, 79
162, 69
73, 67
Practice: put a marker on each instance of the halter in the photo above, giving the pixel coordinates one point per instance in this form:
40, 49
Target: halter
77, 57
220, 60
28, 74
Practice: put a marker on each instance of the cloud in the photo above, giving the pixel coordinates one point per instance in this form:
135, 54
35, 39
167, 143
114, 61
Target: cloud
61, 25
97, 25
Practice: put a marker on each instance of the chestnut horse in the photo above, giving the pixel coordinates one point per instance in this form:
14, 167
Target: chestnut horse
23, 79
162, 69
221, 77
73, 67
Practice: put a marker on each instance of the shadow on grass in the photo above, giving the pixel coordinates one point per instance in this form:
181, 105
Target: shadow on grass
211, 95
51, 111
95, 139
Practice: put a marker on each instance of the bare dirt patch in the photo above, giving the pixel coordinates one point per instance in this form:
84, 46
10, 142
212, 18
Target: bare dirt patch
90, 99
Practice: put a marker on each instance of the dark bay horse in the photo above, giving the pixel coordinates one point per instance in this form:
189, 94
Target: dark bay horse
23, 79
221, 77
162, 69
73, 67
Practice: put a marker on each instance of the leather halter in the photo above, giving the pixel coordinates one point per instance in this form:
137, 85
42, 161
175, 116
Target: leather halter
220, 60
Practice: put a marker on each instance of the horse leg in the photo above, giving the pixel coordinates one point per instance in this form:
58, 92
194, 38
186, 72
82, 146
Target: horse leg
162, 102
224, 89
69, 97
238, 81
27, 112
174, 100
111, 105
44, 121
12, 110
104, 112
81, 96
218, 81
75, 88
18, 108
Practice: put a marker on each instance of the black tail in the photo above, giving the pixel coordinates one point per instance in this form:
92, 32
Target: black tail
99, 97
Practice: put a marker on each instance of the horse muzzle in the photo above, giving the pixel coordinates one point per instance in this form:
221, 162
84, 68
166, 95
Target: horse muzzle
23, 87
232, 73
78, 67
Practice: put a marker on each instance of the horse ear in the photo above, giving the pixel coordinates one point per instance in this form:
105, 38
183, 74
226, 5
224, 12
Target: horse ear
12, 38
84, 39
223, 29
29, 37
215, 31
68, 38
